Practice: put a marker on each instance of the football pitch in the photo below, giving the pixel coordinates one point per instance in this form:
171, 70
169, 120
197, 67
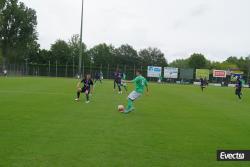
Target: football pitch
177, 126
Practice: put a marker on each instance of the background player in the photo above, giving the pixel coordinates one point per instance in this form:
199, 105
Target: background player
238, 88
118, 80
98, 77
203, 84
140, 82
86, 89
124, 84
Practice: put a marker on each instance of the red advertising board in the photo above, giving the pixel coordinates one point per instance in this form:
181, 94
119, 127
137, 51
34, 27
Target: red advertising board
219, 74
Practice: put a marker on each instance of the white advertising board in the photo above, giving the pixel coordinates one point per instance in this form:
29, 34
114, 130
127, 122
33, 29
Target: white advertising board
170, 72
154, 72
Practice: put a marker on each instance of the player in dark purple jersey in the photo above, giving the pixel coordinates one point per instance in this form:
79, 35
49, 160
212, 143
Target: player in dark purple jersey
86, 89
118, 80
203, 84
118, 77
238, 88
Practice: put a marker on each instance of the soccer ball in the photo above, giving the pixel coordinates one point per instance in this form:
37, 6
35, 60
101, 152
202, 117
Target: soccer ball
121, 108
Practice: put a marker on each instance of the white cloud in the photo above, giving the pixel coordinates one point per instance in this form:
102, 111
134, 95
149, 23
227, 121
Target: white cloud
216, 28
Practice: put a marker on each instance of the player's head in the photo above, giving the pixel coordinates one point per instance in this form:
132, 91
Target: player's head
138, 72
88, 76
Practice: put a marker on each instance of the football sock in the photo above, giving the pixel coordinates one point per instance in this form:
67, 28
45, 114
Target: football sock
87, 97
125, 87
78, 95
130, 104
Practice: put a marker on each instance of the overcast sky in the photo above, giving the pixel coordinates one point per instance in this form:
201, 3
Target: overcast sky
216, 28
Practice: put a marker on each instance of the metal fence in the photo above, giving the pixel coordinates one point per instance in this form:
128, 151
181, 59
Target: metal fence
55, 70
71, 71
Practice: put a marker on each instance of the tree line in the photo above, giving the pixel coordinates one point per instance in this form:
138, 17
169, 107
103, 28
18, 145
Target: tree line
19, 44
198, 61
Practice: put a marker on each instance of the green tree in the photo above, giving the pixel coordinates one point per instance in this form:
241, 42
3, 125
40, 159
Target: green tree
74, 45
102, 54
232, 60
126, 54
241, 63
1, 56
180, 63
197, 61
60, 52
152, 56
17, 30
44, 56
227, 66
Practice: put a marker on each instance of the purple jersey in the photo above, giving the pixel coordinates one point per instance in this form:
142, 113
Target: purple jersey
87, 83
118, 76
238, 84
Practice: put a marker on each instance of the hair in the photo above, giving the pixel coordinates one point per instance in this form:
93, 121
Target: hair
87, 76
139, 71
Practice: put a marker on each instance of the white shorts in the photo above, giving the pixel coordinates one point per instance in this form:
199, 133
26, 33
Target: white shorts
134, 95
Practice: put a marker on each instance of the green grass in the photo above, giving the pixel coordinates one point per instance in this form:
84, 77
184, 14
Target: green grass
177, 126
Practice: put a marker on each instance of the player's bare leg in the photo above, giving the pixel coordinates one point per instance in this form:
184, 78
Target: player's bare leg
87, 96
78, 94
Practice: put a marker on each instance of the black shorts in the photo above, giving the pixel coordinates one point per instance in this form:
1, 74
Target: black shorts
238, 91
85, 89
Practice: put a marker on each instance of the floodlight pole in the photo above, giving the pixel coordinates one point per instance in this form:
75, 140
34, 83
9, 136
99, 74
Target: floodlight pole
81, 48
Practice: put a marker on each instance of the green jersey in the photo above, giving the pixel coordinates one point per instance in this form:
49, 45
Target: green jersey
140, 83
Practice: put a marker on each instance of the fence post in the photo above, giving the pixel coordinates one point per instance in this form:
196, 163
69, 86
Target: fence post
14, 69
108, 72
26, 66
73, 67
90, 68
56, 68
49, 69
66, 71
38, 70
134, 69
83, 69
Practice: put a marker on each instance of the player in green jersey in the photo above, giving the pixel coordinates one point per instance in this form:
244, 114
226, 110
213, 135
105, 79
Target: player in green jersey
140, 83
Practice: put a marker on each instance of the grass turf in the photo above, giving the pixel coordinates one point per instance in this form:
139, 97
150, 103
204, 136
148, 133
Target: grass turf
178, 126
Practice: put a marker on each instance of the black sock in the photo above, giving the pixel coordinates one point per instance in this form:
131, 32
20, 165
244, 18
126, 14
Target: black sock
78, 95
87, 97
125, 87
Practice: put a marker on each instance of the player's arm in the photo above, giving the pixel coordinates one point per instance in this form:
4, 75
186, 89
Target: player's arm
125, 81
92, 87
